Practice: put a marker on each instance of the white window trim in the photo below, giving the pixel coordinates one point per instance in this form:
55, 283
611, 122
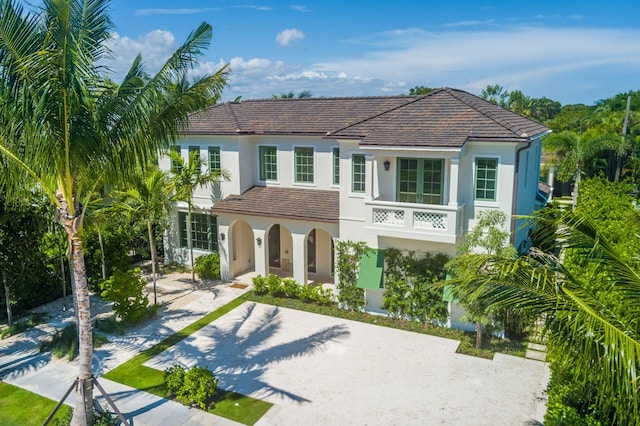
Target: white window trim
485, 203
270, 182
336, 185
293, 177
353, 194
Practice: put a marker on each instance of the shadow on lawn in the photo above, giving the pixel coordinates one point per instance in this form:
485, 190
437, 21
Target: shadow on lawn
239, 353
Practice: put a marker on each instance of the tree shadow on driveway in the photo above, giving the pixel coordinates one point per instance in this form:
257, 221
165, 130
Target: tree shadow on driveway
240, 352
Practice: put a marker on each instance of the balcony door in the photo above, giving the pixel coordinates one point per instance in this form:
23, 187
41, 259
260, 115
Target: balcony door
420, 180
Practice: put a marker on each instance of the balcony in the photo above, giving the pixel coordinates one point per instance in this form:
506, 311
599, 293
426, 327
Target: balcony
416, 221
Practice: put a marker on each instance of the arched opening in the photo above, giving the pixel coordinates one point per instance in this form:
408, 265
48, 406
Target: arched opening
279, 250
241, 249
320, 256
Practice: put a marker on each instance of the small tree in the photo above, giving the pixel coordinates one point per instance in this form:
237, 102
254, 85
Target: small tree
187, 176
125, 290
488, 237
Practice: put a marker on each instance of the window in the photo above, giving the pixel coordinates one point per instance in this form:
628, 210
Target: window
204, 231
268, 163
486, 179
336, 166
175, 165
420, 180
194, 152
358, 172
303, 164
214, 158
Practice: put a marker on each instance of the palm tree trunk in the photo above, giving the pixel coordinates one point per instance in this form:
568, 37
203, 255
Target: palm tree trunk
478, 335
83, 410
190, 242
7, 298
62, 273
576, 186
103, 263
154, 256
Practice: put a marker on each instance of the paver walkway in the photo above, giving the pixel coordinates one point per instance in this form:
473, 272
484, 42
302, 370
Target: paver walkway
21, 363
317, 370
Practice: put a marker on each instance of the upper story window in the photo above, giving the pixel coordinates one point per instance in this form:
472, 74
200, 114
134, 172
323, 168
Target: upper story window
175, 166
358, 173
194, 151
486, 179
214, 158
304, 164
420, 180
204, 231
336, 166
268, 163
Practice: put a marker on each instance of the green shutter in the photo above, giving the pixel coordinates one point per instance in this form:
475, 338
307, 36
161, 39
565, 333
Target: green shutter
371, 269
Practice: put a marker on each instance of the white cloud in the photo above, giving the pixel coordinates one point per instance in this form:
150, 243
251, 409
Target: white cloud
253, 6
155, 47
286, 37
300, 8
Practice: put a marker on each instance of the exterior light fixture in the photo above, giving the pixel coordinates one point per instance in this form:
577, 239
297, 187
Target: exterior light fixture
259, 241
222, 236
387, 164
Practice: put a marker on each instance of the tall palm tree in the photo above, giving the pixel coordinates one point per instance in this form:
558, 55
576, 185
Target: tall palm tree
148, 196
575, 149
187, 176
592, 325
73, 130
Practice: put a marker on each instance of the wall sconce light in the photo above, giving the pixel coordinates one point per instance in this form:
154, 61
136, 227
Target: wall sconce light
387, 164
222, 236
259, 241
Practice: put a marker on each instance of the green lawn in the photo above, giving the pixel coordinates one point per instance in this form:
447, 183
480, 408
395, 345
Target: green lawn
233, 406
20, 407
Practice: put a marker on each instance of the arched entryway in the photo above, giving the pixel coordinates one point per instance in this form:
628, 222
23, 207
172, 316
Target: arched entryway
279, 250
320, 255
242, 256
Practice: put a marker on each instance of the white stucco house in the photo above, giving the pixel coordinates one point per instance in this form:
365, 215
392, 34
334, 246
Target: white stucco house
409, 172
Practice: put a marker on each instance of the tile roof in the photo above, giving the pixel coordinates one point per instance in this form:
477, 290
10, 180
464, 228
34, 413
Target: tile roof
286, 203
442, 118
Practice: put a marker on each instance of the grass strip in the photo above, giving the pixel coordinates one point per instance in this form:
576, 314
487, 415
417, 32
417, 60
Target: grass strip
20, 407
231, 405
467, 340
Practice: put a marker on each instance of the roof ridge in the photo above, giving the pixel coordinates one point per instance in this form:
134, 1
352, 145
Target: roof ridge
489, 114
321, 98
412, 99
232, 115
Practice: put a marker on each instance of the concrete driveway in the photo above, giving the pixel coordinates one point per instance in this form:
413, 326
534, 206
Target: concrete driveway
329, 371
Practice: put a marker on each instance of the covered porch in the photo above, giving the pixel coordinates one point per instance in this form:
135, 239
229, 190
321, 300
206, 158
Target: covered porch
284, 231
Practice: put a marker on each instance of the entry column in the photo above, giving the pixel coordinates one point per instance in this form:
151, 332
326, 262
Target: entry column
300, 258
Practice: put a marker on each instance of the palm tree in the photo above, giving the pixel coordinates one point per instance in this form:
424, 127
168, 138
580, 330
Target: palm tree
187, 176
575, 149
591, 325
148, 196
74, 131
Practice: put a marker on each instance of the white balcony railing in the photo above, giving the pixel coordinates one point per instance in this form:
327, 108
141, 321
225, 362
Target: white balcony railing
423, 221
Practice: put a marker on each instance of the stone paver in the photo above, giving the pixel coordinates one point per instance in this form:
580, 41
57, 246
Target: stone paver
314, 369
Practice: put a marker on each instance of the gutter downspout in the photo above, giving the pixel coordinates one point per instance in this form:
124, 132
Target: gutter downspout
514, 202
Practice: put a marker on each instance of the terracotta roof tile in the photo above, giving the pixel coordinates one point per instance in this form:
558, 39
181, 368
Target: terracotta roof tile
285, 203
442, 118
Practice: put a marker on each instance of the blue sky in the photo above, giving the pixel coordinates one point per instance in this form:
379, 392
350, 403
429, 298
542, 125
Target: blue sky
569, 51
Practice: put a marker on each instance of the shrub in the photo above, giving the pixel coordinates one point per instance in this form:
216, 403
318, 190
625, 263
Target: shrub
290, 288
195, 386
208, 267
125, 290
260, 285
316, 294
108, 325
274, 285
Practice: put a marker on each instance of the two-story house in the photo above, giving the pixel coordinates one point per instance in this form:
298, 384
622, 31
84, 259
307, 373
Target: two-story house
410, 172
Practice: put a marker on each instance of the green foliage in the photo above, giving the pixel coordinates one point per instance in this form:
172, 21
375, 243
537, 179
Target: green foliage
195, 386
409, 290
100, 418
117, 241
288, 288
23, 325
109, 325
208, 267
125, 290
349, 255
64, 343
420, 90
